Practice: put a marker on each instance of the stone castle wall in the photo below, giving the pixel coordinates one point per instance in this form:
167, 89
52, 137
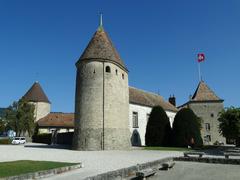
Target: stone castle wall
95, 130
41, 109
209, 113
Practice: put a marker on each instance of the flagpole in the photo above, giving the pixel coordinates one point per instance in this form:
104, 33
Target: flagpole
199, 71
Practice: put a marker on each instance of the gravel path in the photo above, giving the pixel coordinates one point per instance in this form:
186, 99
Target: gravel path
199, 171
95, 162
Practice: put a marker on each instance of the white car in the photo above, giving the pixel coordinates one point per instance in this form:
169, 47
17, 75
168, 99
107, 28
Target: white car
19, 140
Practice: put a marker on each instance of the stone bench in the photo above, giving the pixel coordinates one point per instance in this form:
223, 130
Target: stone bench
167, 165
227, 154
233, 151
146, 173
199, 154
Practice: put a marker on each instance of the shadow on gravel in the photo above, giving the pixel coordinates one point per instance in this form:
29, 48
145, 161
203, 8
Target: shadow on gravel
56, 146
215, 150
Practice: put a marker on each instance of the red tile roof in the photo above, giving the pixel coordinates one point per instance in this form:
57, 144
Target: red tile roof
137, 96
101, 48
204, 93
65, 120
36, 94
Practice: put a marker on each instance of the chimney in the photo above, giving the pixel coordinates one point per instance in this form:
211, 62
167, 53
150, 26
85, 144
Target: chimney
172, 100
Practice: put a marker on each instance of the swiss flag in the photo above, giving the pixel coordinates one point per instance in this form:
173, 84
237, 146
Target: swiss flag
201, 57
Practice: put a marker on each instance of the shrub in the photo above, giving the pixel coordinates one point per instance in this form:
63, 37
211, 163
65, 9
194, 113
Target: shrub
42, 138
5, 141
186, 126
158, 128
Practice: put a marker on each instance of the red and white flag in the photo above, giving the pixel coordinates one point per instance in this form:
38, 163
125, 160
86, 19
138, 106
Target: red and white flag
201, 57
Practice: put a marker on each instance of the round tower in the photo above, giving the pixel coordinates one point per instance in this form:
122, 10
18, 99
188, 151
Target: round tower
102, 97
38, 98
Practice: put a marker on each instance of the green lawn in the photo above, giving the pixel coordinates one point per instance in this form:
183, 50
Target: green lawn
14, 168
167, 148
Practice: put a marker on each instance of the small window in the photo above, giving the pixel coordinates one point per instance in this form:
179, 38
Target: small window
94, 71
122, 76
108, 70
116, 72
212, 115
207, 127
207, 138
135, 119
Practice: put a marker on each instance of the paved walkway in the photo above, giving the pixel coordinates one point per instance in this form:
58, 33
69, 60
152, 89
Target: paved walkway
95, 162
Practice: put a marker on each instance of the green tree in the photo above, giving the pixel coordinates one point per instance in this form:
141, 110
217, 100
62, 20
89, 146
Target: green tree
20, 117
229, 123
186, 128
2, 125
11, 118
25, 115
158, 128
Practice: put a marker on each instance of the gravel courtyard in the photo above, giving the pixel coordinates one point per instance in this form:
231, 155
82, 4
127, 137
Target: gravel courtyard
199, 171
95, 162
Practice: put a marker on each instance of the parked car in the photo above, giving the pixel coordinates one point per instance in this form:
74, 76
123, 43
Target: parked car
19, 140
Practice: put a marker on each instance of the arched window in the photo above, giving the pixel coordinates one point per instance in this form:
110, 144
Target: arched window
108, 70
116, 72
122, 76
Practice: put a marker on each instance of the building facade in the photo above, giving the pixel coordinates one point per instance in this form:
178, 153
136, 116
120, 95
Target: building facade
207, 106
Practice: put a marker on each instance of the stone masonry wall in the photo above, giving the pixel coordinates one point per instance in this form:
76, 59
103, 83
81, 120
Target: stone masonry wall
41, 109
209, 113
91, 131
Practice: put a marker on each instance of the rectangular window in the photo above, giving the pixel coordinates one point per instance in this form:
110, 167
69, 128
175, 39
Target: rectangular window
207, 138
207, 127
135, 119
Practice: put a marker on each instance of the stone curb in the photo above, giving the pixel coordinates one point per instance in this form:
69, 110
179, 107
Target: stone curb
44, 173
209, 160
129, 172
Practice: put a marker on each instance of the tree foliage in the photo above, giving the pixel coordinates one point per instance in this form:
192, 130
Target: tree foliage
158, 128
20, 117
186, 128
229, 123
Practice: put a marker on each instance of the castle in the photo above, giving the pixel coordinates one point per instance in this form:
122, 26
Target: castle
108, 113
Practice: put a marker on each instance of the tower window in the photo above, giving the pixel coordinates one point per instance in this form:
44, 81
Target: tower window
108, 69
207, 138
94, 71
212, 115
135, 119
122, 76
116, 71
207, 127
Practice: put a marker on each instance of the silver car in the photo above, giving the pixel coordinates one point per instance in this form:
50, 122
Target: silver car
19, 140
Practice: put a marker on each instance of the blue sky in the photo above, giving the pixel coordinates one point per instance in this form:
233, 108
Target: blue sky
158, 40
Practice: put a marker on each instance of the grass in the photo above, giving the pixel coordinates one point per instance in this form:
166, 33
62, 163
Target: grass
167, 148
14, 168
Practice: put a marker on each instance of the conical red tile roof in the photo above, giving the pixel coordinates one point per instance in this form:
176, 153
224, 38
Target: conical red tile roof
204, 93
101, 48
36, 94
